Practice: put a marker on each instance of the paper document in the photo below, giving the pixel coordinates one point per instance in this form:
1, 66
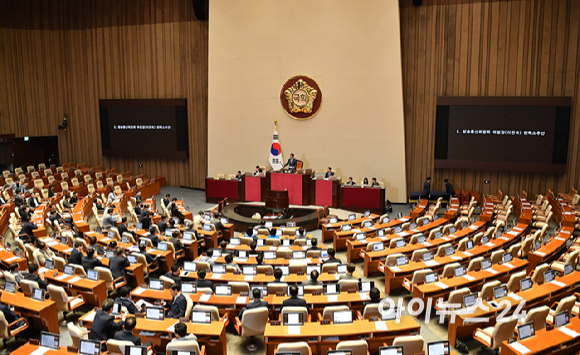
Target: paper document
569, 332
249, 278
490, 244
74, 279
51, 244
364, 296
381, 325
469, 277
558, 283
519, 348
139, 291
241, 300
215, 276
509, 265
467, 253
395, 268
403, 219
204, 298
294, 330
441, 285
171, 328
515, 297
560, 239
90, 317
62, 277
539, 253
492, 271
514, 233
456, 257
12, 259
473, 227
332, 298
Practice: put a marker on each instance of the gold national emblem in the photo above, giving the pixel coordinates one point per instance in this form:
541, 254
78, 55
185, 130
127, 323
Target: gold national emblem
301, 97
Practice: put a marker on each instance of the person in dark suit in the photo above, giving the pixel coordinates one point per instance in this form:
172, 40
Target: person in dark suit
74, 199
257, 303
329, 173
144, 213
33, 276
95, 245
127, 333
350, 268
153, 236
138, 209
138, 198
257, 171
201, 281
53, 218
33, 201
178, 304
15, 271
108, 220
123, 228
118, 263
89, 262
166, 200
449, 190
28, 228
426, 188
143, 251
313, 279
314, 243
239, 176
76, 255
24, 212
292, 163
374, 183
174, 274
331, 258
162, 224
104, 325
350, 182
174, 239
126, 302
294, 301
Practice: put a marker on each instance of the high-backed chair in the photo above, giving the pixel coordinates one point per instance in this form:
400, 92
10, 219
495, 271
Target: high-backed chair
117, 347
348, 285
239, 287
513, 284
275, 287
27, 286
213, 310
6, 333
76, 334
300, 347
449, 270
565, 304
328, 312
185, 345
253, 323
492, 337
110, 283
357, 347
475, 264
412, 344
486, 292
538, 274
63, 302
302, 310
537, 315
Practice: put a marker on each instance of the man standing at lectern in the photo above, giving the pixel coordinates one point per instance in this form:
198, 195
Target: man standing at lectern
292, 163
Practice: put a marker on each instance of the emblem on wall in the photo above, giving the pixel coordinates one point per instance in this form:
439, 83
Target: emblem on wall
301, 97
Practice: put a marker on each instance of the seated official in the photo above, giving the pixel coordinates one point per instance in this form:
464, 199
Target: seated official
365, 182
14, 268
201, 281
294, 301
174, 274
250, 233
24, 211
375, 296
54, 218
258, 171
146, 218
206, 257
123, 299
153, 236
292, 163
11, 317
180, 330
257, 303
76, 255
108, 220
224, 248
331, 259
229, 259
198, 220
28, 228
163, 224
375, 183
44, 253
112, 196
313, 279
127, 333
178, 303
148, 257
350, 269
253, 246
118, 263
93, 243
273, 234
123, 227
350, 182
34, 276
314, 243
329, 173
174, 239
239, 176
449, 190
89, 262
278, 275
104, 326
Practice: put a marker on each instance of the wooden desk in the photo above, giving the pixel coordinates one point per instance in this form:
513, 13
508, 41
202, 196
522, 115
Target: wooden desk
552, 250
357, 248
273, 262
329, 228
321, 337
82, 211
420, 209
44, 314
297, 185
487, 207
94, 292
551, 341
28, 349
264, 279
452, 209
325, 192
6, 258
217, 190
361, 199
213, 335
539, 295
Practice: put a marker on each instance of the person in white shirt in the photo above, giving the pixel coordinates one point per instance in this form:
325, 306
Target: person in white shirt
112, 196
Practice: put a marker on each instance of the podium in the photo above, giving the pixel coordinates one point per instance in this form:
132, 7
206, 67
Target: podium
277, 199
297, 185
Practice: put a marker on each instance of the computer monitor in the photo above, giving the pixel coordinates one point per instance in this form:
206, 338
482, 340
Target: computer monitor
300, 290
386, 219
135, 350
235, 241
293, 318
427, 256
438, 234
484, 239
526, 331
365, 286
499, 292
470, 300
548, 276
49, 264
223, 290
291, 224
116, 308
391, 350
201, 317
561, 319
261, 242
132, 259
449, 251
216, 253
155, 313
89, 347
92, 275
460, 271
413, 225
190, 266
400, 243
207, 227
188, 287
486, 263
469, 245
398, 229
360, 236
526, 284
285, 242
111, 235
378, 247
402, 260
507, 257
268, 224
339, 352
188, 236
351, 217
400, 215
333, 220
109, 254
138, 226
125, 239
431, 277
342, 317
38, 294
243, 254
183, 352
331, 289
218, 269
162, 246
285, 270
249, 270
367, 224
421, 239
10, 287
438, 348
435, 217
341, 269
311, 268
156, 284
49, 340
346, 227
270, 255
452, 229
367, 213
568, 268
298, 255
69, 270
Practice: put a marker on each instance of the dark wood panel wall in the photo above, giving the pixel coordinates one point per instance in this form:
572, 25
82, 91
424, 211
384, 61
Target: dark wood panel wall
487, 48
60, 57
